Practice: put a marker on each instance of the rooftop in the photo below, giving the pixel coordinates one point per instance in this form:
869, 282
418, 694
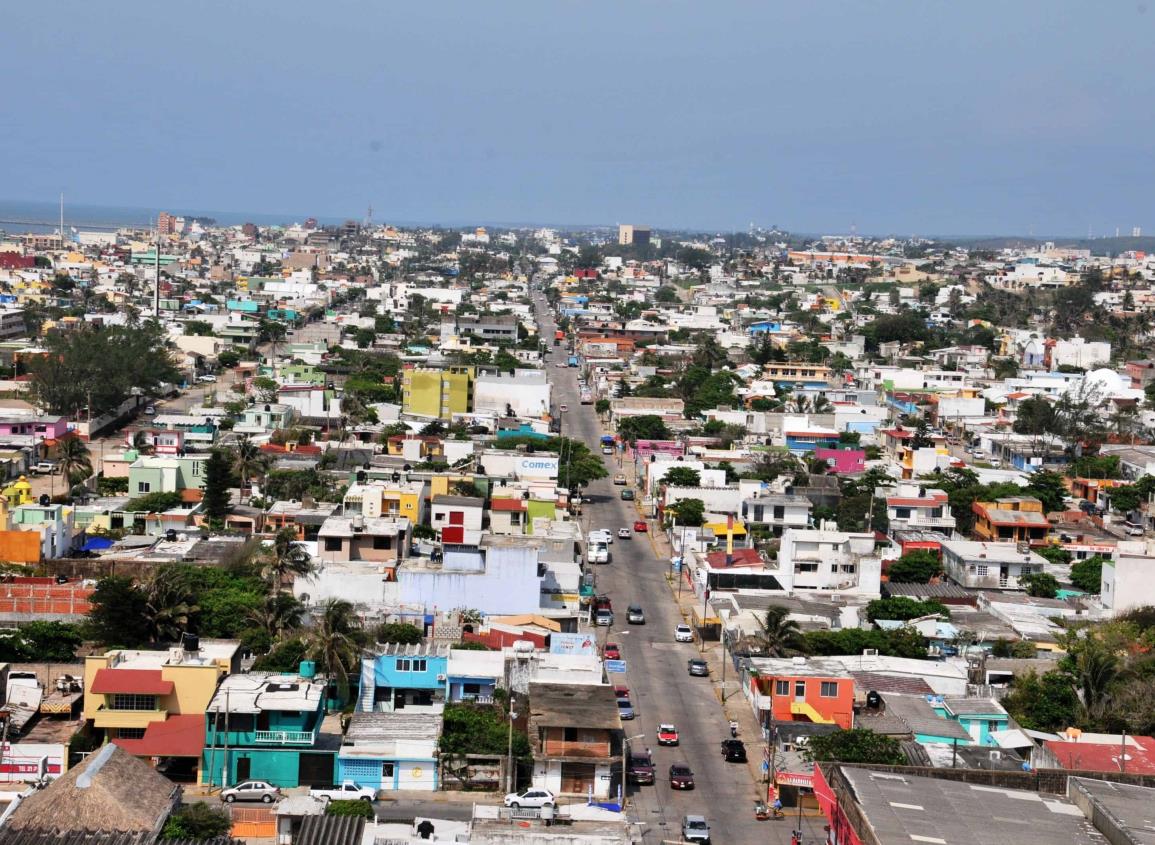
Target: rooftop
390, 733
573, 705
348, 526
259, 692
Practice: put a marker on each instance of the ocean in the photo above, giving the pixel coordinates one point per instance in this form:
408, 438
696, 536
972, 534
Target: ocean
18, 216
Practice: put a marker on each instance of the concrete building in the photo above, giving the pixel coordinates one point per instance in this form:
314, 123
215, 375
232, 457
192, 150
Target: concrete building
828, 559
381, 540
576, 737
498, 576
910, 507
998, 566
629, 234
437, 393
1127, 582
518, 393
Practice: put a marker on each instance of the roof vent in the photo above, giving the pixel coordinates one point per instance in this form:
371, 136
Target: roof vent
94, 767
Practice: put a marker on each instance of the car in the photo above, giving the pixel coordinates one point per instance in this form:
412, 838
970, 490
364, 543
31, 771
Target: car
681, 776
625, 709
640, 527
627, 495
635, 615
612, 652
600, 535
640, 767
150, 410
667, 734
609, 450
207, 378
251, 790
734, 750
563, 408
347, 791
621, 692
683, 633
44, 468
625, 533
531, 798
619, 479
695, 829
698, 667
604, 618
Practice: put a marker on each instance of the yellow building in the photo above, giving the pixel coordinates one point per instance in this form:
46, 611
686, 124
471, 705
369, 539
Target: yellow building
386, 498
437, 393
152, 703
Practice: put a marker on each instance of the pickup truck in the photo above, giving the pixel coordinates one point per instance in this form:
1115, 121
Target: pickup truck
44, 468
347, 791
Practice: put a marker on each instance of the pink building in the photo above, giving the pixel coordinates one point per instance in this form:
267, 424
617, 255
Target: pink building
35, 429
842, 461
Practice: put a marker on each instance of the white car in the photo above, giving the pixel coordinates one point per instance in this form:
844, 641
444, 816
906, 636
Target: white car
347, 791
624, 533
207, 378
601, 535
683, 633
531, 798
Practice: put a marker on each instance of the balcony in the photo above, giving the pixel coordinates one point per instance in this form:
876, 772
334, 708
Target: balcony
561, 748
283, 738
106, 718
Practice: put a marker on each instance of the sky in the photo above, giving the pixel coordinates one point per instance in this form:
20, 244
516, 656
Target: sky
907, 117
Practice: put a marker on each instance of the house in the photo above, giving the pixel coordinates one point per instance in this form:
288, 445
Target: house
270, 727
978, 565
32, 430
575, 735
910, 507
1018, 519
519, 393
409, 678
457, 519
794, 690
437, 393
1127, 581
152, 703
842, 461
387, 498
1090, 752
825, 558
166, 474
498, 575
109, 793
979, 717
777, 512
382, 540
264, 418
391, 751
473, 676
509, 515
32, 533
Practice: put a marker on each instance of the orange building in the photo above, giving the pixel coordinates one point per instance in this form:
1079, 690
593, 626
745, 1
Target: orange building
790, 690
1016, 519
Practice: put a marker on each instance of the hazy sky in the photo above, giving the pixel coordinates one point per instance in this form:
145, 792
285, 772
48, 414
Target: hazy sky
926, 117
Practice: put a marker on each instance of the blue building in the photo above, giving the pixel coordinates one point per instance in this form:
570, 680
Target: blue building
270, 727
473, 676
390, 751
409, 678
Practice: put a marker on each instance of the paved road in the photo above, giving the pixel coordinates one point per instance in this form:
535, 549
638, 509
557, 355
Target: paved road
661, 689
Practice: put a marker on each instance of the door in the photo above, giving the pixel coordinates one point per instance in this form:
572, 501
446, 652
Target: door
316, 770
244, 768
800, 690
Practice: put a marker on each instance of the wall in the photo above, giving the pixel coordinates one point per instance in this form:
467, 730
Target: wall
510, 584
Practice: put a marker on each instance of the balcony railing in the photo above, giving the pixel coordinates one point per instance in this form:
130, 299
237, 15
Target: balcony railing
283, 738
562, 748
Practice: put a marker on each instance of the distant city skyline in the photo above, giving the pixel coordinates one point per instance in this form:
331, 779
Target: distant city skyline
907, 119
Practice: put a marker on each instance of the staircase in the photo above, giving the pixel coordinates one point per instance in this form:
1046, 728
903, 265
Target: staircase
805, 708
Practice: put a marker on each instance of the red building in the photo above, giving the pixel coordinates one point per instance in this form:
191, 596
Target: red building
792, 690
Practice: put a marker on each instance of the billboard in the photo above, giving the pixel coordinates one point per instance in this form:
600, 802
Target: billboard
560, 643
537, 466
666, 448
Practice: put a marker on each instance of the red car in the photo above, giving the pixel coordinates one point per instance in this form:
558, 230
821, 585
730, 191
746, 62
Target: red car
621, 692
667, 734
611, 652
640, 527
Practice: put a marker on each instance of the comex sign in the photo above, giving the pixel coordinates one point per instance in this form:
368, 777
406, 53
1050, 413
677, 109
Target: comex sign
537, 467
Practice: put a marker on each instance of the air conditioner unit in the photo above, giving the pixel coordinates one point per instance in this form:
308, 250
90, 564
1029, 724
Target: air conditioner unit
441, 678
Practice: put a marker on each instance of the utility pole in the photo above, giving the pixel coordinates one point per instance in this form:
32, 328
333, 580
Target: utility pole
156, 293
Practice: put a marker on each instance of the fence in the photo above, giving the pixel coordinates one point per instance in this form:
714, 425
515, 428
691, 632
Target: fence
253, 822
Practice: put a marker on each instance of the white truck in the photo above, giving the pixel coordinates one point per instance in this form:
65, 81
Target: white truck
598, 553
347, 791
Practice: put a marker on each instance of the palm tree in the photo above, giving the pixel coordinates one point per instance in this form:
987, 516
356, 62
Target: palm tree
280, 613
800, 404
333, 643
287, 559
821, 405
248, 461
780, 635
168, 605
75, 460
140, 442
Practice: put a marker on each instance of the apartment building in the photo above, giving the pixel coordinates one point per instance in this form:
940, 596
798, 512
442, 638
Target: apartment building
828, 559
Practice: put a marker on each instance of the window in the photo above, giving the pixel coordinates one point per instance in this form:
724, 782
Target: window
807, 567
403, 664
419, 664
386, 770
902, 513
332, 544
982, 570
130, 733
782, 688
411, 664
143, 487
848, 568
196, 467
383, 543
128, 701
800, 689
829, 689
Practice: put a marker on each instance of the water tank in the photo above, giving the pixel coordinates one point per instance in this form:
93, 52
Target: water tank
190, 642
308, 669
873, 700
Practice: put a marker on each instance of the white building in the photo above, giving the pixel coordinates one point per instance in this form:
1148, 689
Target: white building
1127, 582
828, 559
524, 392
1078, 352
997, 566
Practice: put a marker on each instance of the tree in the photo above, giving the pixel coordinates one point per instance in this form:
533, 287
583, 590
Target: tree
1041, 585
153, 503
1042, 703
169, 604
248, 461
265, 389
117, 613
1055, 554
779, 635
198, 821
278, 614
857, 745
286, 559
1125, 498
74, 460
917, 567
1048, 488
333, 643
643, 427
40, 642
1087, 575
602, 407
399, 632
902, 608
902, 642
682, 477
215, 502
690, 512
1034, 416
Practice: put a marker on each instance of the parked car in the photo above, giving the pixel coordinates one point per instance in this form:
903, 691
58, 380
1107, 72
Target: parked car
640, 767
627, 495
667, 734
251, 790
44, 468
697, 667
531, 798
207, 378
150, 410
625, 533
635, 615
612, 652
683, 633
619, 479
604, 618
695, 829
601, 535
621, 692
609, 450
681, 776
640, 527
734, 750
625, 709
347, 791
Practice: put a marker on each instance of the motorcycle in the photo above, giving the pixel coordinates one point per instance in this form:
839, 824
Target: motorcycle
733, 729
763, 811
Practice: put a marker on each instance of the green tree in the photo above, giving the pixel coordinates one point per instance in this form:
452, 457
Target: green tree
916, 567
479, 729
857, 745
196, 822
285, 656
1041, 585
1046, 703
169, 606
643, 427
779, 635
117, 613
153, 503
399, 632
218, 476
682, 477
1054, 554
333, 643
903, 642
690, 512
74, 460
248, 461
602, 407
1087, 575
1034, 416
902, 608
1049, 489
1125, 498
277, 615
286, 559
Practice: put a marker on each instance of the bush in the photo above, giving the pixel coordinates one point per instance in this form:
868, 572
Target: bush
154, 502
356, 809
902, 608
858, 745
1087, 574
197, 821
1041, 585
916, 567
399, 632
111, 486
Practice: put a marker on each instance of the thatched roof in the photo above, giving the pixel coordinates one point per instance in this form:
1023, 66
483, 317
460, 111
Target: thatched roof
111, 791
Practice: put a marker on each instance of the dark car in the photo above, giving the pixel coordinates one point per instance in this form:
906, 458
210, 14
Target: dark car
627, 495
697, 667
635, 615
640, 767
681, 777
734, 751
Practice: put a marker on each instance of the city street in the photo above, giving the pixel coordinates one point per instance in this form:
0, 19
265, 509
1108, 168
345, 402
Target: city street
660, 687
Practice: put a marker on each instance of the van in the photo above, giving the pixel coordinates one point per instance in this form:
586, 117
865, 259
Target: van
598, 553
